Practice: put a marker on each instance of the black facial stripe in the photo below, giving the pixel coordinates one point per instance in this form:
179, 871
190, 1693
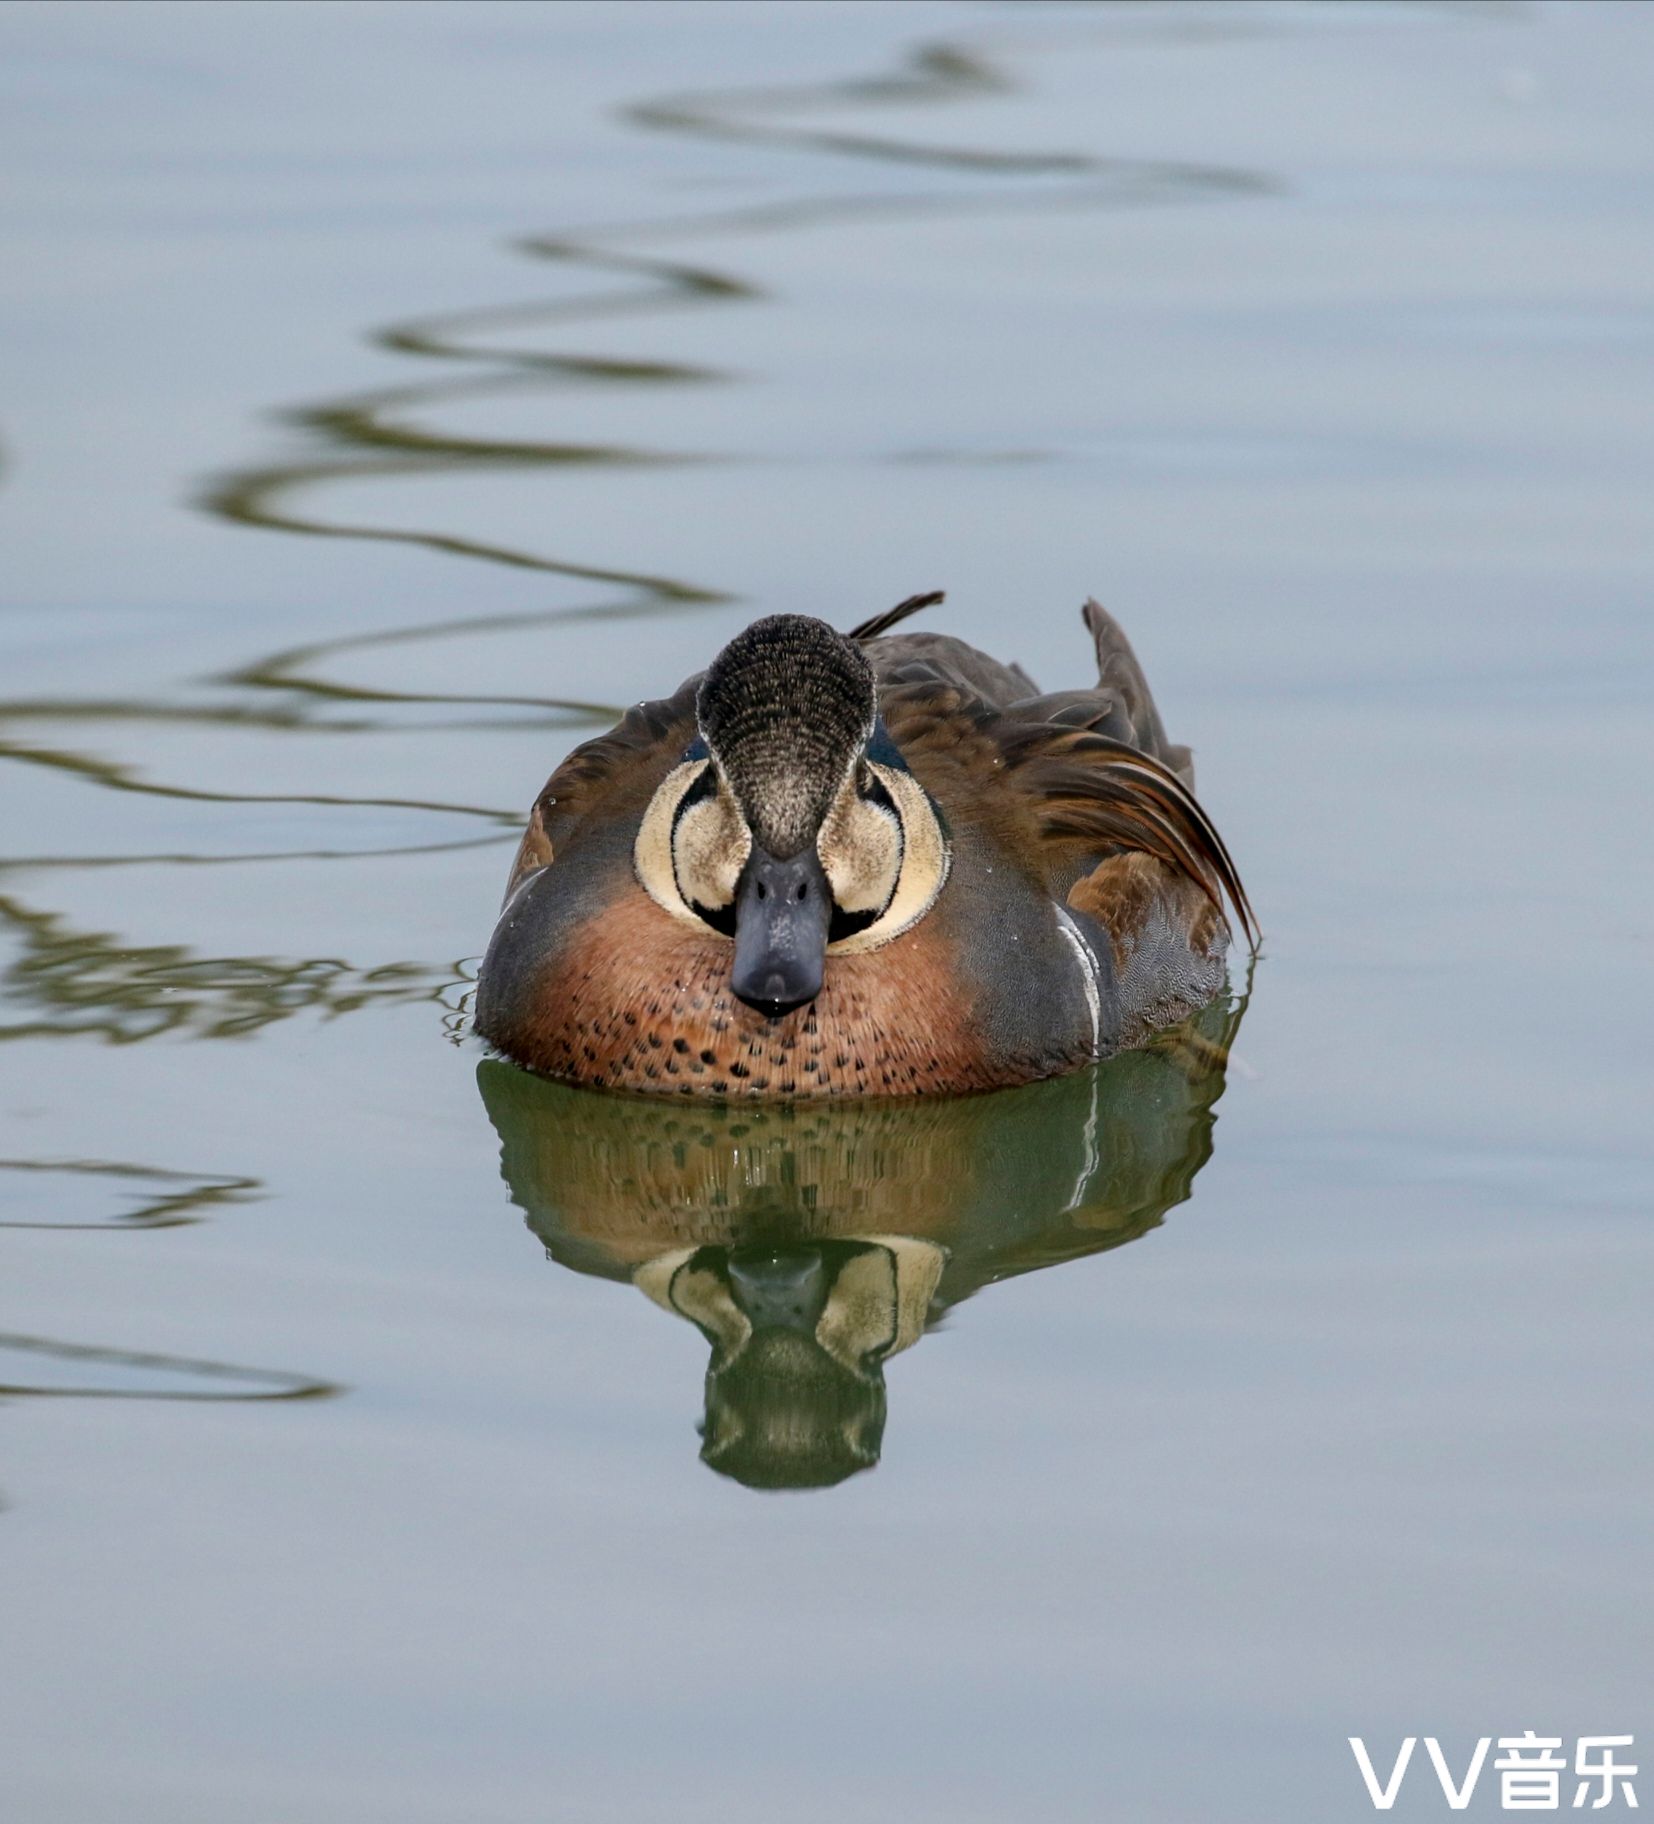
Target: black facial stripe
847, 924
700, 788
874, 791
720, 918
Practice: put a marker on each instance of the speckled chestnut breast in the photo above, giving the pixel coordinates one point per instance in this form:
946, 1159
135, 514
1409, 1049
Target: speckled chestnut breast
637, 1000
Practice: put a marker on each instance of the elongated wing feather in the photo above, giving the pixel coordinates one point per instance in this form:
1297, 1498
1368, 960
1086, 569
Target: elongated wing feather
1091, 794
1077, 794
882, 623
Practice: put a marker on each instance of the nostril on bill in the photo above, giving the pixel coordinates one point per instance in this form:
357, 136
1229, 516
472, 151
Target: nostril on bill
782, 916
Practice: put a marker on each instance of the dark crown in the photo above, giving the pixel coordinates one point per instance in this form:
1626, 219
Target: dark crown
786, 707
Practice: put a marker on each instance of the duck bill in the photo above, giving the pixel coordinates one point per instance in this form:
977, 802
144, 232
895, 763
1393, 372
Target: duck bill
782, 911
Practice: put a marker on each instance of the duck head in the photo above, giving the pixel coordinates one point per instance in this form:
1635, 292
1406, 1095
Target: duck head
800, 1333
792, 826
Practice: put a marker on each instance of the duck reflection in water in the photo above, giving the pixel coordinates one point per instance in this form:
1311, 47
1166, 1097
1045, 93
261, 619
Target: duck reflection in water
811, 1242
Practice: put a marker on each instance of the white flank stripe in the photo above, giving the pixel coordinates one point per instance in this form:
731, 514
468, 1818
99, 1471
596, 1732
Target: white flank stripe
1088, 976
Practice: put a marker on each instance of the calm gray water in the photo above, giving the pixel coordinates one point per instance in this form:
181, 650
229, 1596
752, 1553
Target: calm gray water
387, 394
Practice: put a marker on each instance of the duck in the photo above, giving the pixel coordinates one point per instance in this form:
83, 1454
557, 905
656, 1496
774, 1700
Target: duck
872, 864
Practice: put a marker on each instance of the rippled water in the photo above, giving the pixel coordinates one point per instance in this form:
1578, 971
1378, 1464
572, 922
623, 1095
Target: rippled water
390, 394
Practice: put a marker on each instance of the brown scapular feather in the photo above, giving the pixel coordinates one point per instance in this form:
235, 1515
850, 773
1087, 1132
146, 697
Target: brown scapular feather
580, 784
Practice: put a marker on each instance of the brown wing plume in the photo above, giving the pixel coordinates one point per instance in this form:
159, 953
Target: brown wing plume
1091, 791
